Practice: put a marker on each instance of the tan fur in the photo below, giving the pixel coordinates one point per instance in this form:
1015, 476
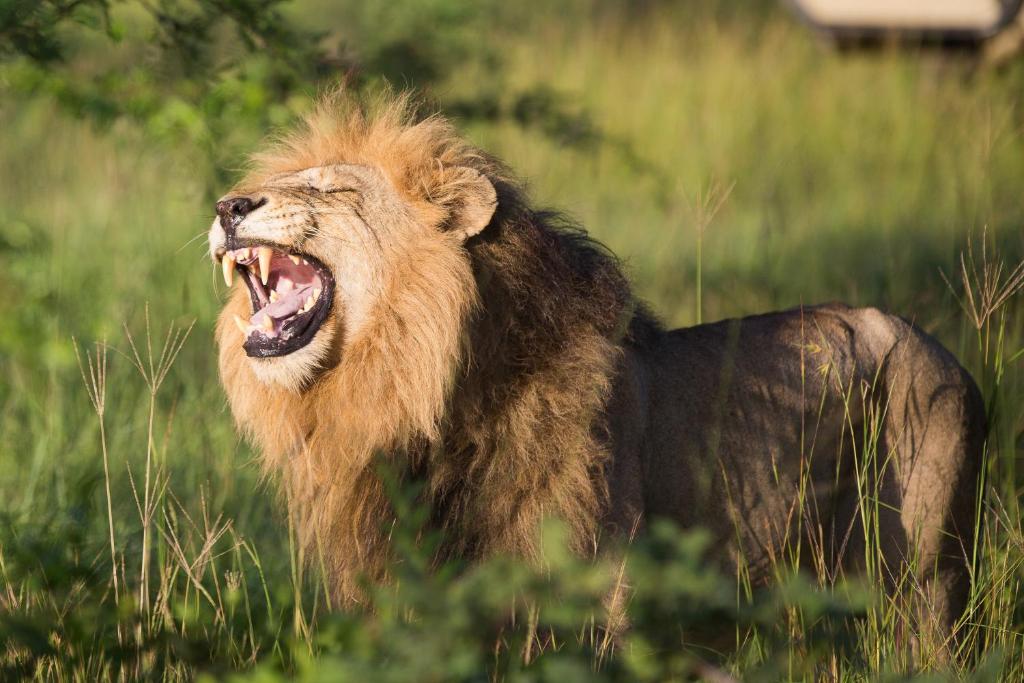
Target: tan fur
495, 354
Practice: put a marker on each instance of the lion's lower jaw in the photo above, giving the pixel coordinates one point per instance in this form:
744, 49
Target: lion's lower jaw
295, 371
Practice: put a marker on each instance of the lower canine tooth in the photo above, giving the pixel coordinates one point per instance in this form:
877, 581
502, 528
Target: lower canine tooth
267, 324
316, 293
264, 254
242, 325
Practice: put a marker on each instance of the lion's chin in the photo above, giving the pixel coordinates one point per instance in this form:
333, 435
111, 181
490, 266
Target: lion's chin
297, 370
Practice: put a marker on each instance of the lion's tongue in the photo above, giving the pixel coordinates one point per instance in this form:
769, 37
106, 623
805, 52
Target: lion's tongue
278, 311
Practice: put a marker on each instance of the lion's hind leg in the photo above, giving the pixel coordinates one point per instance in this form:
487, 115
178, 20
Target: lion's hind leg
932, 429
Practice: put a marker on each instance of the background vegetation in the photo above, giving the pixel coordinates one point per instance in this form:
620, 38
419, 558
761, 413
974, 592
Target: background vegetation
137, 540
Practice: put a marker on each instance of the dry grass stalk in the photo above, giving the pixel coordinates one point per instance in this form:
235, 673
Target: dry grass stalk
154, 369
94, 376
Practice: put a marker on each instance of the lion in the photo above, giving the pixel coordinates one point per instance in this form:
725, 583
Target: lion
401, 300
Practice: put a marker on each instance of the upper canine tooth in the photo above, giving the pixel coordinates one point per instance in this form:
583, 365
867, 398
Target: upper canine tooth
265, 253
228, 265
295, 259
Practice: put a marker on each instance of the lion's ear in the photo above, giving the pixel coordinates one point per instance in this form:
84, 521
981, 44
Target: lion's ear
472, 201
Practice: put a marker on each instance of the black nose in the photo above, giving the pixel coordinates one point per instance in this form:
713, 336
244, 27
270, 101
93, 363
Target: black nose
234, 208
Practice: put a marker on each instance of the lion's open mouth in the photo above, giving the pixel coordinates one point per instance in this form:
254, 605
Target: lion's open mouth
291, 296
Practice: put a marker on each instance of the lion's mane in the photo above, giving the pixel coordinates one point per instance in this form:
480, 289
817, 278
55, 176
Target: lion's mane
484, 378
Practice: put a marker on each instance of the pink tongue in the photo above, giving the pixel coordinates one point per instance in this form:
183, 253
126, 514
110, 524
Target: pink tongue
285, 307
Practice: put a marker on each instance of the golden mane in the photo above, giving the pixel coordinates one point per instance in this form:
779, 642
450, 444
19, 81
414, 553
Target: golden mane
484, 372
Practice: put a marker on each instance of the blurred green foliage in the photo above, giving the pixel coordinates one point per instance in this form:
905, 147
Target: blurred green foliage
30, 28
214, 74
211, 75
198, 72
856, 177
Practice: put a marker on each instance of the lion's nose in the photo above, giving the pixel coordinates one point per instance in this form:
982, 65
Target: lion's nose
234, 208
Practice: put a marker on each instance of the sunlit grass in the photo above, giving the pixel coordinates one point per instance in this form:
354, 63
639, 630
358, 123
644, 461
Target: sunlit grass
736, 170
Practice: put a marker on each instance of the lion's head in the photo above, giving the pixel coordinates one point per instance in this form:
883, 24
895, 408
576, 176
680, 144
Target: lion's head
317, 226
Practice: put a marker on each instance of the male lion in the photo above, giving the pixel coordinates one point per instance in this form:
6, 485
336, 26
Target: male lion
402, 299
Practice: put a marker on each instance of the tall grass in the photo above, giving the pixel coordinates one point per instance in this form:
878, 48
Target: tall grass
736, 169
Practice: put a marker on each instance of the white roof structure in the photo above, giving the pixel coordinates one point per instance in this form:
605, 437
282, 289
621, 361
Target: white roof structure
953, 19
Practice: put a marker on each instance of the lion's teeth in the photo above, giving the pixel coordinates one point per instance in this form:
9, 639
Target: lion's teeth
308, 304
242, 325
273, 296
264, 254
316, 293
295, 259
228, 265
267, 324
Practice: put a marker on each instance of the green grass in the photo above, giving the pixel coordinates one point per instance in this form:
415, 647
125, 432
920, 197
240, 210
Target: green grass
853, 177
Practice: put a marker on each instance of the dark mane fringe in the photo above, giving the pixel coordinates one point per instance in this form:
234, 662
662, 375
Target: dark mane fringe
555, 305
